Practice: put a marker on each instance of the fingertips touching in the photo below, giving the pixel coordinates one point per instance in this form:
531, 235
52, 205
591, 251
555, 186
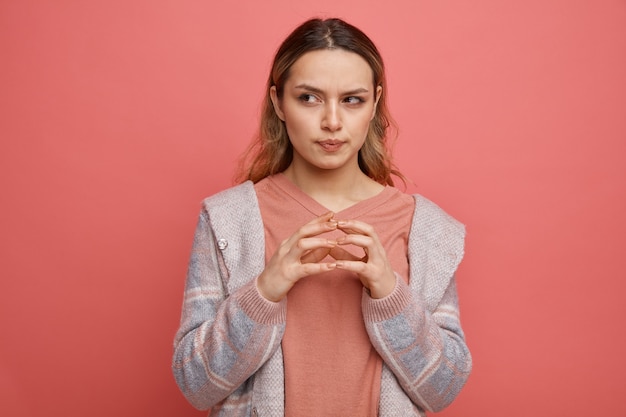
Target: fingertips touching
327, 216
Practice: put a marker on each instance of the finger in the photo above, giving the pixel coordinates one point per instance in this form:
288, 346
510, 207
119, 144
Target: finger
326, 217
312, 243
316, 227
360, 234
357, 240
311, 250
355, 227
358, 267
297, 244
317, 268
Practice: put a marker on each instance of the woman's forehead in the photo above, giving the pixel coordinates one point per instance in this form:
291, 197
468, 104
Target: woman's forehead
331, 67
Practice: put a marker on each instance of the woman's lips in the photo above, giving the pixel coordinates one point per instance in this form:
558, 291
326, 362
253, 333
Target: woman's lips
330, 145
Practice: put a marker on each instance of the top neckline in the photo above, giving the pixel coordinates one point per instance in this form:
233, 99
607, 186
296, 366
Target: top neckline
309, 203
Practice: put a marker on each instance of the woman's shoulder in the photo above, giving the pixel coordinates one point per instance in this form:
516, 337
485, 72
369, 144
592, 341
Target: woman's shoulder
234, 212
238, 195
428, 212
436, 232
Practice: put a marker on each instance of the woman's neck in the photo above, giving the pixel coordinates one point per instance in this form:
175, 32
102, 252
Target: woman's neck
334, 189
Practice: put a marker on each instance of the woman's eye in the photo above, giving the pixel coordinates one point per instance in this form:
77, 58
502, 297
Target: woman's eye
354, 100
307, 98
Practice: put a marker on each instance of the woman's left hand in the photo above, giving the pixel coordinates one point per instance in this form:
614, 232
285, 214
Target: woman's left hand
374, 268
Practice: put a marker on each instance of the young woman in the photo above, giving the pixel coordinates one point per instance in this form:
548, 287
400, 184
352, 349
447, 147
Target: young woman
316, 288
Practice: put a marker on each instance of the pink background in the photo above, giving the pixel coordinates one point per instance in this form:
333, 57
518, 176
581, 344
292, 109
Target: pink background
118, 117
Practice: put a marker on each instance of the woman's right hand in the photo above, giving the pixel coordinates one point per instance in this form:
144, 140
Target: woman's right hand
297, 257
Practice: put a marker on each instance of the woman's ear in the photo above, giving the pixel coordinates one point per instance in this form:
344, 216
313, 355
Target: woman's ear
276, 103
379, 92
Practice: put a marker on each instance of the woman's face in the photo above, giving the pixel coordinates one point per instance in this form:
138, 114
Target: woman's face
328, 102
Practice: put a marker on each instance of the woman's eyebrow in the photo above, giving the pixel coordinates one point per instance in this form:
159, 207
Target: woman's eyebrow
308, 87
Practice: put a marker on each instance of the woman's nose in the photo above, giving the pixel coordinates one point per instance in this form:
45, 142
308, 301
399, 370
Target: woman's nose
332, 119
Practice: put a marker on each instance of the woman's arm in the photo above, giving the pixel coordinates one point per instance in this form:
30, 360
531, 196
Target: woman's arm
426, 351
223, 338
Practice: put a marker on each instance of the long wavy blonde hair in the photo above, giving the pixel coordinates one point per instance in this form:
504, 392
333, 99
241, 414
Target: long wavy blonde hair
271, 152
